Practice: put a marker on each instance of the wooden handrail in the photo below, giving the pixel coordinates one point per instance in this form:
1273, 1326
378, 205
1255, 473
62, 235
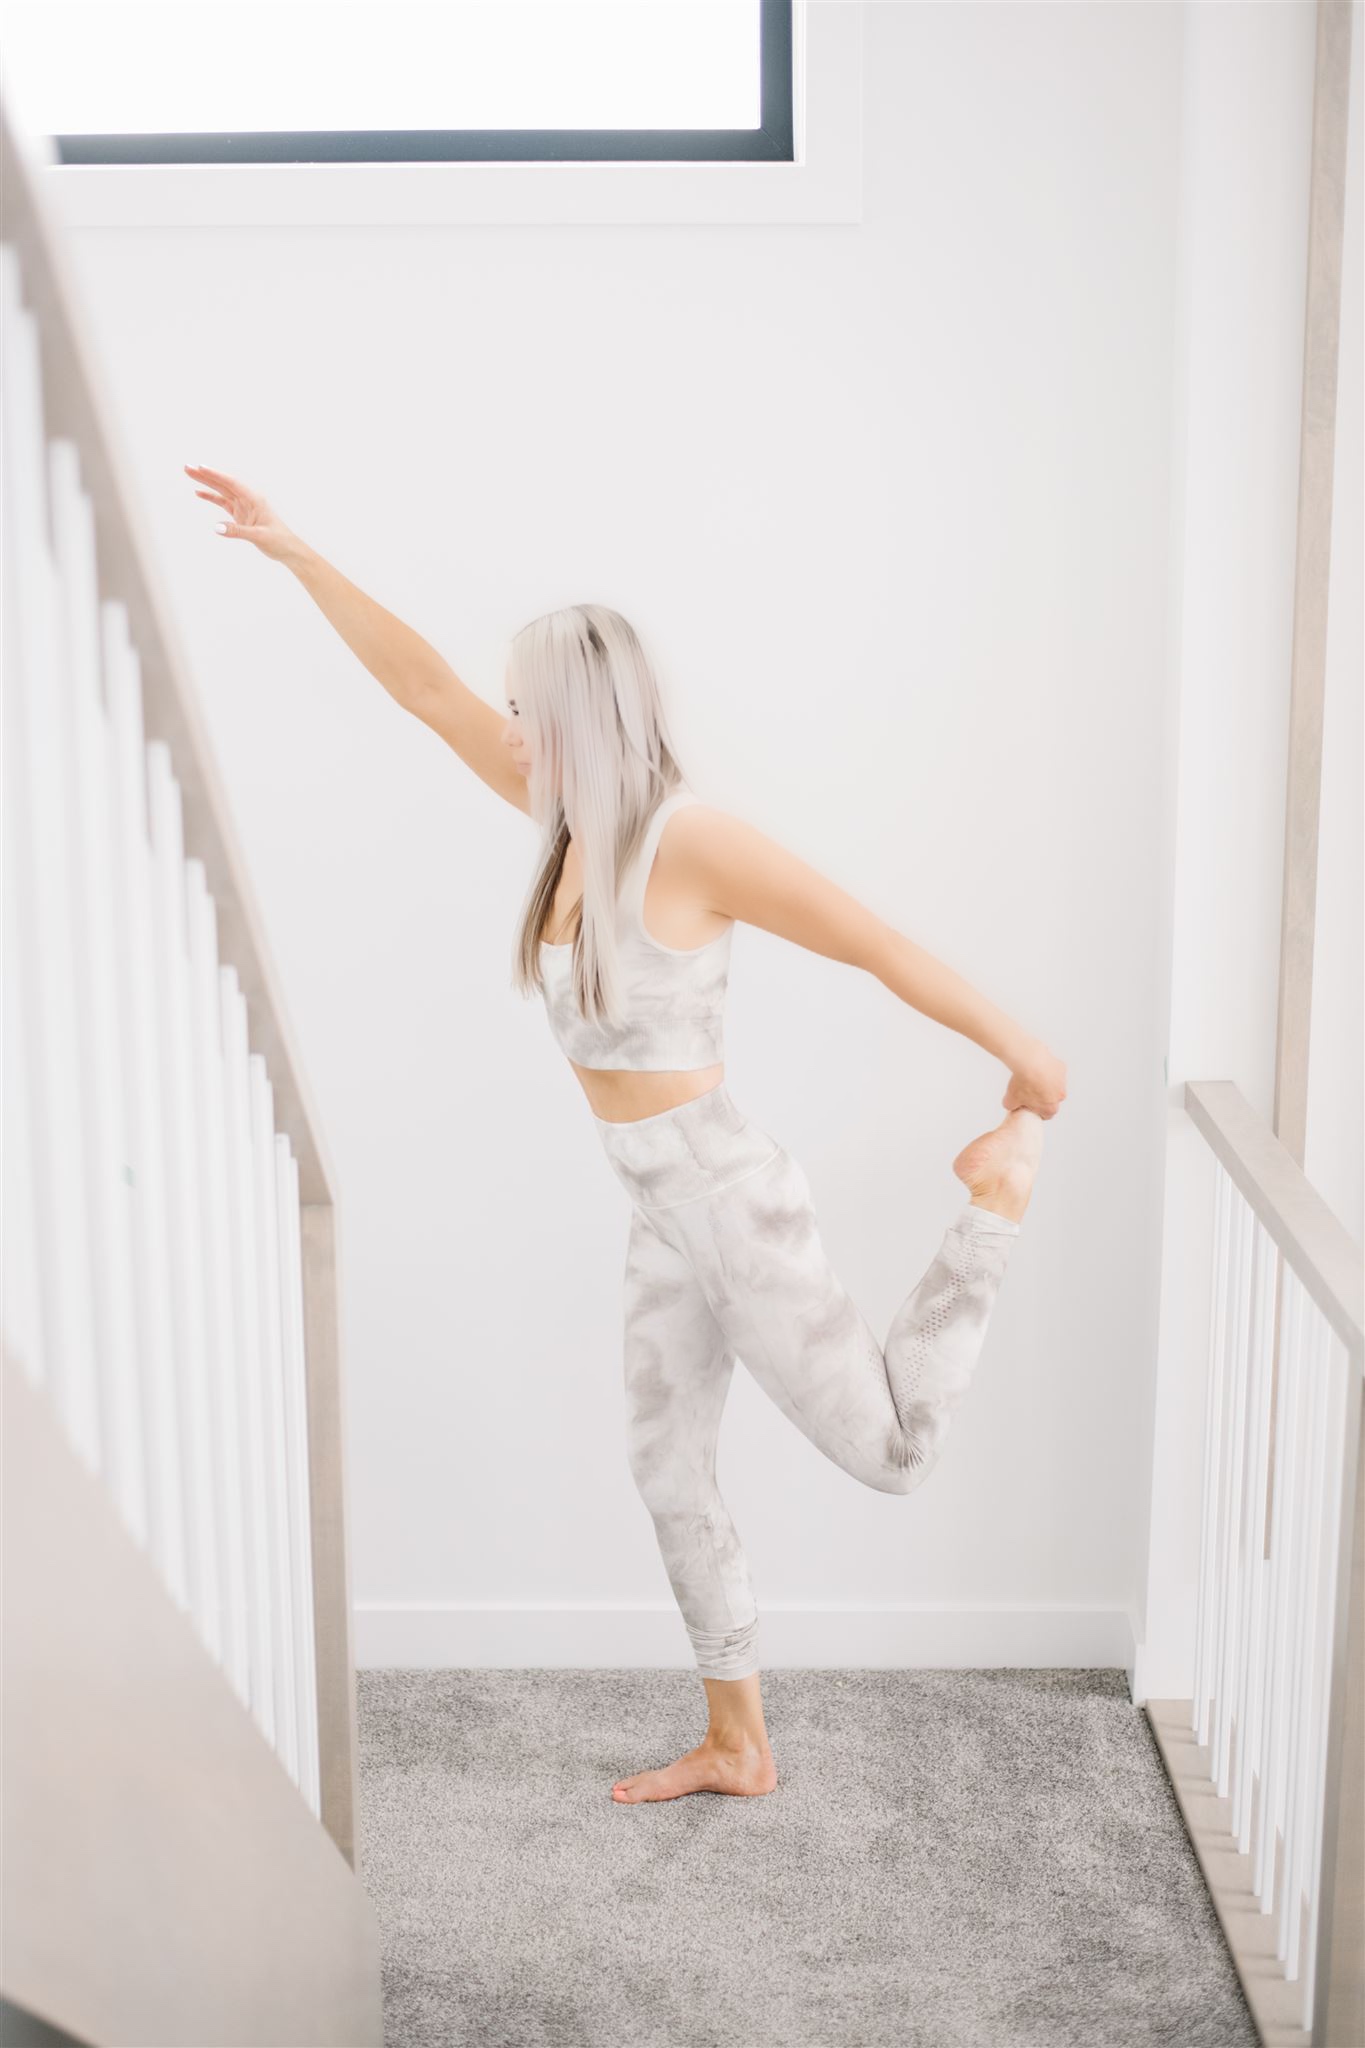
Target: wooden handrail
1311, 1236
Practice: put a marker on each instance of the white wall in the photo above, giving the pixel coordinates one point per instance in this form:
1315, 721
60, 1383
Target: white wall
891, 502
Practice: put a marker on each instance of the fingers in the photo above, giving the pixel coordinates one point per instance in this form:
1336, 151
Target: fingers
214, 497
217, 477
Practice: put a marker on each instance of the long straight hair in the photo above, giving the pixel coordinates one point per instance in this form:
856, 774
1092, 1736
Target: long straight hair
602, 761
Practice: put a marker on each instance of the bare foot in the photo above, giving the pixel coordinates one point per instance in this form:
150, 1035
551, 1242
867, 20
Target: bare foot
704, 1769
999, 1167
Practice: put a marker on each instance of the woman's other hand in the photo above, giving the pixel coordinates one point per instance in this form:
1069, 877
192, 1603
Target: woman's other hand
249, 516
1037, 1082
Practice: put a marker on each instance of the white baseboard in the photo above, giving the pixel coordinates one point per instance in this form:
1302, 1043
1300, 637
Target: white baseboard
392, 1635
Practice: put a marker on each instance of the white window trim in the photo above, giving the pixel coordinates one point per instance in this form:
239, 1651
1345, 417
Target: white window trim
825, 183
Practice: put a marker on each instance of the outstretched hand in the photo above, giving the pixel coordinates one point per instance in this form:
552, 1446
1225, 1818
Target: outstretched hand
249, 516
1038, 1082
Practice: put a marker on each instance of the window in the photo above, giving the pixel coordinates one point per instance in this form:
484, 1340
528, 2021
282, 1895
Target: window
189, 113
437, 81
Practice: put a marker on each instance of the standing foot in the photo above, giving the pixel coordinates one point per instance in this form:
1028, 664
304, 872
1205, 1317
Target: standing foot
708, 1768
999, 1167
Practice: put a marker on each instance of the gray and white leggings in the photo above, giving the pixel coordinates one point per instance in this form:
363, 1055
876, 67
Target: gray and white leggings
724, 1260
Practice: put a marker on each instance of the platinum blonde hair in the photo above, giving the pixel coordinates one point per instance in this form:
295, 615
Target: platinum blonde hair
601, 761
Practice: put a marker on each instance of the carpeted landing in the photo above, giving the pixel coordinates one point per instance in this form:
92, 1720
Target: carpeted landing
951, 1859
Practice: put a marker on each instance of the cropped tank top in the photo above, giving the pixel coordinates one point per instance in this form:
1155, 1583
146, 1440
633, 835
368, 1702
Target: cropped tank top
672, 998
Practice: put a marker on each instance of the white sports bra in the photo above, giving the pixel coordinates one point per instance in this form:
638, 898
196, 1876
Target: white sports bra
673, 997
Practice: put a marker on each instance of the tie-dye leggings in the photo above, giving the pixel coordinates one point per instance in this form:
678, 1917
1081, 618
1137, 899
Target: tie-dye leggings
724, 1260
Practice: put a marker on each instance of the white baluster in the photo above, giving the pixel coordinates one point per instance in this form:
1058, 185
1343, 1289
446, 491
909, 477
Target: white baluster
1227, 1409
296, 1439
250, 1372
1213, 1420
1229, 1595
1277, 1622
220, 1299
1291, 1903
182, 1172
1249, 1689
141, 1048
272, 1381
1336, 1367
1296, 1509
1307, 1688
1237, 1772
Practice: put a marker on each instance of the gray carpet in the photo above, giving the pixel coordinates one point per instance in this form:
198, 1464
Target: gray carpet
951, 1859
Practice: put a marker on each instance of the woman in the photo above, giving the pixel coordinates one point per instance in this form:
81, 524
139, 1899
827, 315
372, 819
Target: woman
626, 932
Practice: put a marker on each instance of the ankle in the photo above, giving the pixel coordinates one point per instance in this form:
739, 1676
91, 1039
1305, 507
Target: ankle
1006, 1194
732, 1741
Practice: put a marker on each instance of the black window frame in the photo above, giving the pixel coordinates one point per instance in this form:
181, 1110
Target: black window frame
771, 142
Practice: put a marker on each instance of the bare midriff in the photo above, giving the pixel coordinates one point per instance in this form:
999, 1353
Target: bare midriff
621, 1096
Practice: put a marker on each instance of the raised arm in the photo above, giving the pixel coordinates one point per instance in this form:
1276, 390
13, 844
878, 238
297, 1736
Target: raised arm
413, 673
409, 667
739, 872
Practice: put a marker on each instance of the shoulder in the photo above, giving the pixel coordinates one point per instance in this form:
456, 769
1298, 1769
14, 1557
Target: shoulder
700, 841
696, 823
693, 827
737, 870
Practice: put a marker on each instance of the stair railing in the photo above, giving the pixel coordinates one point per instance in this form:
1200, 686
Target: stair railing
170, 1312
1268, 1757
